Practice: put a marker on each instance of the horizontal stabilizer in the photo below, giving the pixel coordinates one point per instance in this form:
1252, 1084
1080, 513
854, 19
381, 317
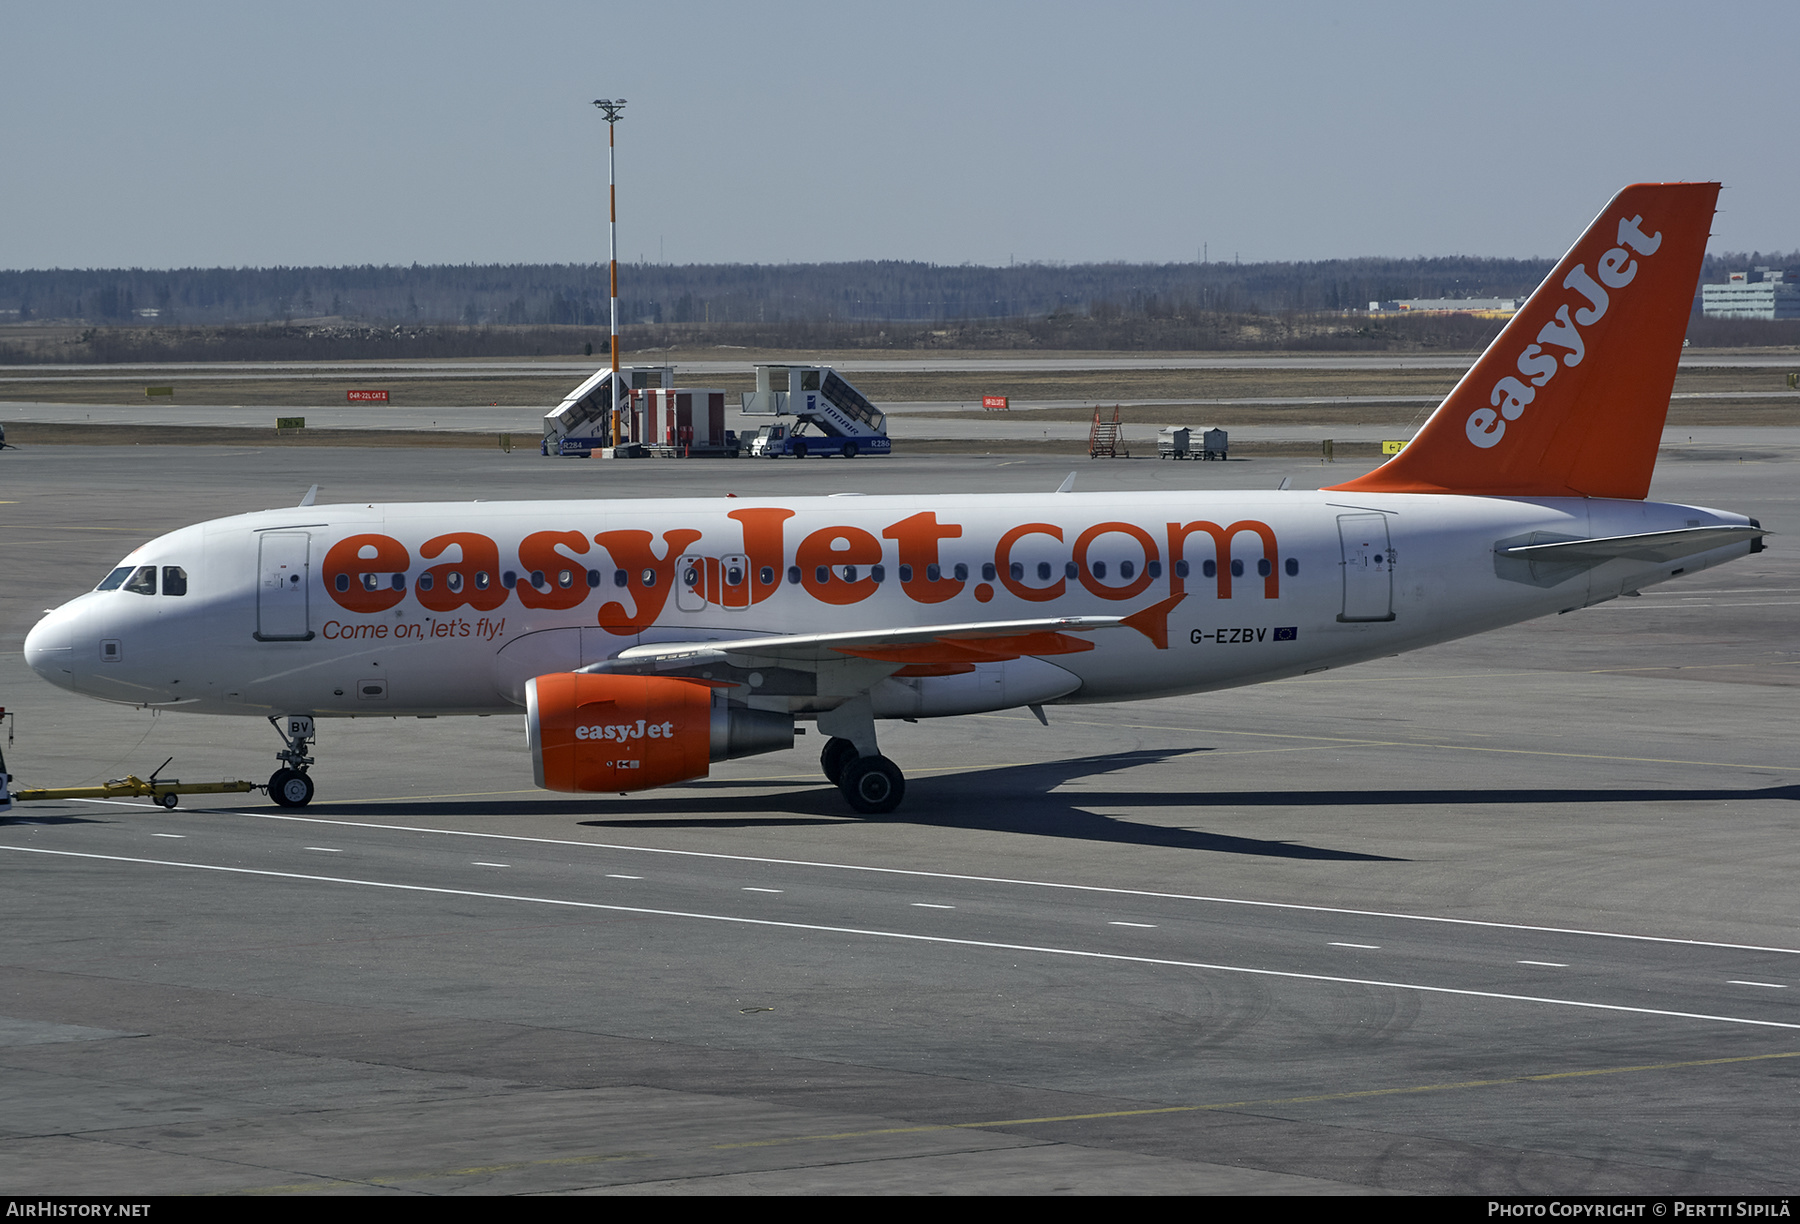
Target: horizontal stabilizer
1648, 546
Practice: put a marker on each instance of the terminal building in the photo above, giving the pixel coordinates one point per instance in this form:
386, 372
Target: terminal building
1476, 306
1760, 294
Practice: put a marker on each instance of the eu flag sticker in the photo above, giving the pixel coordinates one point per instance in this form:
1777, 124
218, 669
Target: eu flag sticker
1287, 633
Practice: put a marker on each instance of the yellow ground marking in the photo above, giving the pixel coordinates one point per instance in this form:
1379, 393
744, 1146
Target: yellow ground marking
1049, 1119
1362, 1094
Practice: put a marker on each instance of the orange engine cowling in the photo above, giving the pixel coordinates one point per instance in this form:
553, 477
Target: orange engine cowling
625, 733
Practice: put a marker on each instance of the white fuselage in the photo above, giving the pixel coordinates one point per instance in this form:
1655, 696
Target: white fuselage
1234, 588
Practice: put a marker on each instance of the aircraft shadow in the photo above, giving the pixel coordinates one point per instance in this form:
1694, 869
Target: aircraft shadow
1029, 800
1019, 799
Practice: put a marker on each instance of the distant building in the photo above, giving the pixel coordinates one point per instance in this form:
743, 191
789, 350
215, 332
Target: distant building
1761, 294
1474, 306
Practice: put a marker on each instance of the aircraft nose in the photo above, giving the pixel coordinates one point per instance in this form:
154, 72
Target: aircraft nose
50, 647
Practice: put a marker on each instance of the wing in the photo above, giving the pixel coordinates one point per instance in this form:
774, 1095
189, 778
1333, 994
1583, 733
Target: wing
828, 668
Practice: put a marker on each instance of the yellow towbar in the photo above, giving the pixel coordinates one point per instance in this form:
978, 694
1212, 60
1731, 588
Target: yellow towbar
164, 791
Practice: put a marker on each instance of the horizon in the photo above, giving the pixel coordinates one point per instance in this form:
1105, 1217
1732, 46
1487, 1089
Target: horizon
208, 135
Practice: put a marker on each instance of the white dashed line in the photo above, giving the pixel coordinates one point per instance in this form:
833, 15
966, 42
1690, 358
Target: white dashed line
1769, 985
168, 835
1148, 926
1367, 947
324, 849
929, 905
1544, 964
490, 864
1089, 955
767, 890
611, 876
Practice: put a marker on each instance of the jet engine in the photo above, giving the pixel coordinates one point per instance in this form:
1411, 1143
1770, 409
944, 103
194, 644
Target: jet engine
625, 733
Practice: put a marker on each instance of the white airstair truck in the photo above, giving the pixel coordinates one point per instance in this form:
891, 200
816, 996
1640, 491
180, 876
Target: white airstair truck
582, 423
846, 422
655, 418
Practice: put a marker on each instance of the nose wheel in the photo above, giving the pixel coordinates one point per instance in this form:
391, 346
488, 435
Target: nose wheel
289, 786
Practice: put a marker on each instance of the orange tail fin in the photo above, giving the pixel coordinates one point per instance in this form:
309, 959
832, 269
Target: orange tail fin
1569, 400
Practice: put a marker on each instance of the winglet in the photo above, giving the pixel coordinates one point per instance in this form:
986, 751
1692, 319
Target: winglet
1569, 400
1068, 484
310, 495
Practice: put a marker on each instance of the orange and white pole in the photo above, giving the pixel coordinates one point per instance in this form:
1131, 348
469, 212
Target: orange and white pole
612, 107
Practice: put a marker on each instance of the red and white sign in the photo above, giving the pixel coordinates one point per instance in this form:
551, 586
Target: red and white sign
379, 397
994, 403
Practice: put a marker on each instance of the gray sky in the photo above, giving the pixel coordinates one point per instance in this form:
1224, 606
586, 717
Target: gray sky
177, 134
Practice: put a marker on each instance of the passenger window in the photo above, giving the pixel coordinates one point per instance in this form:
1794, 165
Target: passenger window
142, 581
174, 580
111, 581
961, 571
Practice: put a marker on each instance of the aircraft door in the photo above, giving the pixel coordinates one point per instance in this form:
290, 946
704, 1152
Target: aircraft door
1368, 568
281, 590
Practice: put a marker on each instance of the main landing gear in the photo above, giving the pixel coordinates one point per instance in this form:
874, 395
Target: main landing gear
290, 786
873, 784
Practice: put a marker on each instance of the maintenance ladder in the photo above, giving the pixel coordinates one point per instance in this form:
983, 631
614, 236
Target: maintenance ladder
1106, 440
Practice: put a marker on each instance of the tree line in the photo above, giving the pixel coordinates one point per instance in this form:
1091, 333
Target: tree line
562, 309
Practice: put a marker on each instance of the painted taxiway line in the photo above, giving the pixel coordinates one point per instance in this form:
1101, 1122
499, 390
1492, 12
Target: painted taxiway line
1487, 924
908, 937
976, 879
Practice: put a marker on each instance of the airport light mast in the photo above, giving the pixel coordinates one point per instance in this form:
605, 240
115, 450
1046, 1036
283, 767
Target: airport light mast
611, 107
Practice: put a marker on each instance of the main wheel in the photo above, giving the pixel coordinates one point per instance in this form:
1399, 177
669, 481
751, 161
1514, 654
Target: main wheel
837, 753
799, 450
290, 788
849, 451
873, 785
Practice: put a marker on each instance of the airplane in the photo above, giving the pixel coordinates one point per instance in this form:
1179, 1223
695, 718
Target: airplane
643, 640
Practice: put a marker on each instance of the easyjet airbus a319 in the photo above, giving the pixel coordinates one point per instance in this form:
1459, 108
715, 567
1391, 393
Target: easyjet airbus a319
645, 639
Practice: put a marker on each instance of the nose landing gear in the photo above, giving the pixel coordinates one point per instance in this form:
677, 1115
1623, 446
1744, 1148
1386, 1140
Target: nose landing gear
290, 786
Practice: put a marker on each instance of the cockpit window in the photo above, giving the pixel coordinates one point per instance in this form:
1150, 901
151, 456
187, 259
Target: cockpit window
142, 580
112, 580
174, 580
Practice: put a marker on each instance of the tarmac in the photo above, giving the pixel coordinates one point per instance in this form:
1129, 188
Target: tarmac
1513, 915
